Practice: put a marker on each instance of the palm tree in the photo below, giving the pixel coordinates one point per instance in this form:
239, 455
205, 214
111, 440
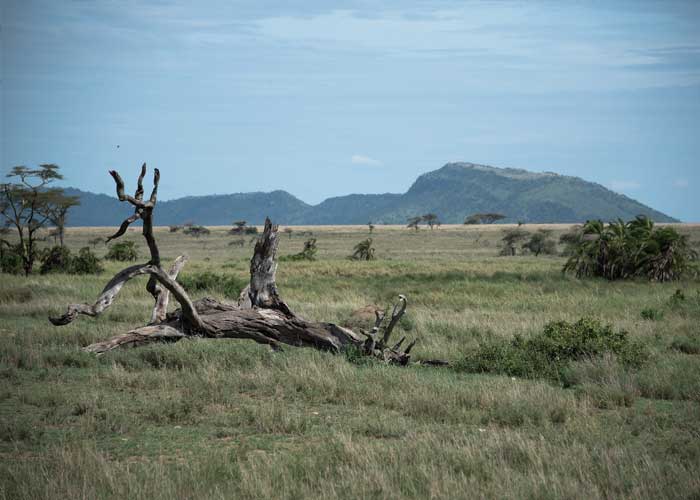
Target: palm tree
624, 250
363, 250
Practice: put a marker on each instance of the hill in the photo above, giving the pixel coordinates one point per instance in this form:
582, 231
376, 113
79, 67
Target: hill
452, 192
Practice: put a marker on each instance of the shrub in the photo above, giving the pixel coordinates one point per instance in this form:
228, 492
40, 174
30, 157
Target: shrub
86, 262
547, 354
56, 260
10, 258
541, 242
308, 253
59, 260
625, 250
124, 251
363, 250
228, 286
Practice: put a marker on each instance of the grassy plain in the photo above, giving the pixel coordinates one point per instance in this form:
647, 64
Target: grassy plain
230, 419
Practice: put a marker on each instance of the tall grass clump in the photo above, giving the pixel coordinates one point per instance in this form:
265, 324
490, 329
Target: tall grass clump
547, 353
624, 250
228, 286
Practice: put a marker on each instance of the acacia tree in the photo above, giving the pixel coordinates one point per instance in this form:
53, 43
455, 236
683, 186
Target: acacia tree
30, 205
413, 222
260, 314
486, 218
511, 238
239, 227
58, 212
431, 220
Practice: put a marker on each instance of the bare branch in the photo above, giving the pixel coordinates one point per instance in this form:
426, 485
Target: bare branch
106, 297
120, 191
188, 310
156, 180
122, 229
139, 186
137, 337
163, 296
396, 314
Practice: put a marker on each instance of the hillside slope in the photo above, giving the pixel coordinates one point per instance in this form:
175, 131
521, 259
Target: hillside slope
452, 192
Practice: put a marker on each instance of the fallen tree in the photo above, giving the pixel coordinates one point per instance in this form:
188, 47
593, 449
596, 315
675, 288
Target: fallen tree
260, 314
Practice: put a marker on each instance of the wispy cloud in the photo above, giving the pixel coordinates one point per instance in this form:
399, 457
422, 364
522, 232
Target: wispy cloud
365, 160
624, 185
680, 183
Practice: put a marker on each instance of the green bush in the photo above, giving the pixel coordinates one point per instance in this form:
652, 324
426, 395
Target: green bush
363, 250
124, 251
308, 253
228, 286
626, 250
59, 260
86, 262
10, 258
56, 260
547, 354
541, 243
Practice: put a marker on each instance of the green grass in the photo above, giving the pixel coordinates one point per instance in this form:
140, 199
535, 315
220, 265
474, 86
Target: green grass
231, 419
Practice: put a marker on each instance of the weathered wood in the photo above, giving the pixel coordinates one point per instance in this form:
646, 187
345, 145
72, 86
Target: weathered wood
162, 296
260, 314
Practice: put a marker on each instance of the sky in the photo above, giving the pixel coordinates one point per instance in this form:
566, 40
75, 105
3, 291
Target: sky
326, 98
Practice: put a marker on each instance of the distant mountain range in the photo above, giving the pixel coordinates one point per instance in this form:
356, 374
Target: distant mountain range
452, 192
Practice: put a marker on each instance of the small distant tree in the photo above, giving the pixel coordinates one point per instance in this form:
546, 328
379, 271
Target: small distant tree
289, 231
485, 218
175, 228
370, 226
29, 205
58, 212
541, 243
196, 231
308, 253
239, 227
511, 239
413, 222
431, 220
363, 250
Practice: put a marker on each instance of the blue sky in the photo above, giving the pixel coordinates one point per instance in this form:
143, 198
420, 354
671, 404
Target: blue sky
324, 98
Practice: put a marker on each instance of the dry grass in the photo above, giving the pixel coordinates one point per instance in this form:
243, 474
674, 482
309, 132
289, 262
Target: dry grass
230, 419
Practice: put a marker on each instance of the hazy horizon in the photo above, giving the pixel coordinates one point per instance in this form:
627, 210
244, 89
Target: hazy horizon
326, 99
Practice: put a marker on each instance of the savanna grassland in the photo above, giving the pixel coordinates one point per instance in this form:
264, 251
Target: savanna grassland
231, 419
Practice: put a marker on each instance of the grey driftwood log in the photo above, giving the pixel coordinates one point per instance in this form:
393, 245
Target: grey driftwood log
260, 314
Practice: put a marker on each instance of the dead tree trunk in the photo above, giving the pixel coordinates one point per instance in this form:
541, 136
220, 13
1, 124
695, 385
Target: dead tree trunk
260, 314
